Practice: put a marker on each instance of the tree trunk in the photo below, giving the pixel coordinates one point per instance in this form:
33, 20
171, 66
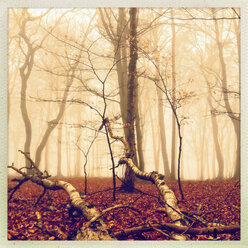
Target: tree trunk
139, 135
168, 196
202, 151
155, 38
68, 152
97, 230
155, 142
236, 123
25, 71
215, 129
219, 155
173, 88
59, 151
53, 123
78, 168
119, 41
128, 182
162, 134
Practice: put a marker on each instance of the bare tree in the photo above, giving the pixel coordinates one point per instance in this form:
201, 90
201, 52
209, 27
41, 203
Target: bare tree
26, 69
131, 95
235, 120
173, 88
161, 112
119, 39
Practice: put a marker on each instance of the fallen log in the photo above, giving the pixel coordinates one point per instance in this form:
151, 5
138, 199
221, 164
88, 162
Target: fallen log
97, 230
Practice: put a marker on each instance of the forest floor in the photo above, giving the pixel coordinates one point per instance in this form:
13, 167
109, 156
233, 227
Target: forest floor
220, 202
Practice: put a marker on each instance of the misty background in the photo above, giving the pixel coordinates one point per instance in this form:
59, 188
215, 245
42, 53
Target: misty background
60, 60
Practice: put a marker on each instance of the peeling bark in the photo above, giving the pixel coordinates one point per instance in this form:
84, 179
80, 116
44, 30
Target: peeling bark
167, 194
97, 230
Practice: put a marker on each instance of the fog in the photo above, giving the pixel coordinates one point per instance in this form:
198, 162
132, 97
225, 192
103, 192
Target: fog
68, 69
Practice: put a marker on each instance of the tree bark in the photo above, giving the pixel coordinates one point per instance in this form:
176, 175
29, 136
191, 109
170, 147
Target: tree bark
97, 230
119, 41
128, 182
168, 196
155, 142
139, 135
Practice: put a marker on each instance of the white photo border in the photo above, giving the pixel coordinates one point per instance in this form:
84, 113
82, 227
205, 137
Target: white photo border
5, 4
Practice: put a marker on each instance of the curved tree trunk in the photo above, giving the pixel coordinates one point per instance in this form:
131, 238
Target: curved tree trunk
25, 71
53, 123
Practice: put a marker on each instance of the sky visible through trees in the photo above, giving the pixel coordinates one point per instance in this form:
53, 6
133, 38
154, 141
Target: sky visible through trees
69, 69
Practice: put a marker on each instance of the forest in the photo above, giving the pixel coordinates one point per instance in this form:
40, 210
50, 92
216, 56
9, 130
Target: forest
124, 124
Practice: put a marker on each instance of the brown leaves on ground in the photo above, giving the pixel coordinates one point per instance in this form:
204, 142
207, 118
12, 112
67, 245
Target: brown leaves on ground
220, 202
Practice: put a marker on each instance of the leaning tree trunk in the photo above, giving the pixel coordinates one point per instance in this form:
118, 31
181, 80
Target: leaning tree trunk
168, 196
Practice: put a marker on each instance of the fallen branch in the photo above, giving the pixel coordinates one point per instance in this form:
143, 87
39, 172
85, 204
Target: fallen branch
40, 197
33, 166
202, 231
160, 231
107, 210
178, 229
14, 189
